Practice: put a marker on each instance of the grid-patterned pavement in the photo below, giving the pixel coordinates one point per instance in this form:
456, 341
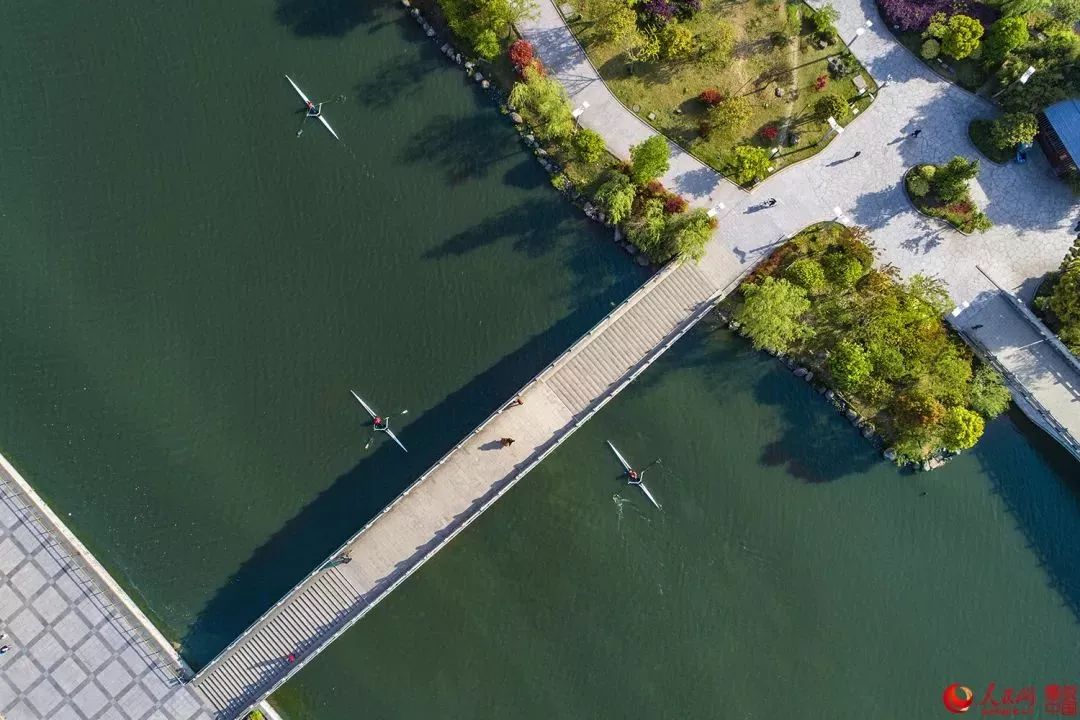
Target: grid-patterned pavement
73, 655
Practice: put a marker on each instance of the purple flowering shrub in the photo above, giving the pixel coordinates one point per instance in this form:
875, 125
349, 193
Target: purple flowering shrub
915, 14
661, 11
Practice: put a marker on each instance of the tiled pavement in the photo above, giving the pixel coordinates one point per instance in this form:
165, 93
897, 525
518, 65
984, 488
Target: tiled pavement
73, 655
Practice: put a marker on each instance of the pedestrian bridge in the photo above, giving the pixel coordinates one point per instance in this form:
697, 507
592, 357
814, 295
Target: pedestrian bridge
464, 483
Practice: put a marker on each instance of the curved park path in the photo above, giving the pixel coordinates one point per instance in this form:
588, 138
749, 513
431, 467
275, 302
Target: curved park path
1032, 211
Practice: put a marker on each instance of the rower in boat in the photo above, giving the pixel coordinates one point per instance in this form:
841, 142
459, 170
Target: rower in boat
313, 110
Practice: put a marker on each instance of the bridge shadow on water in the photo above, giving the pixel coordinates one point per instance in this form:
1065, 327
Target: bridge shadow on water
359, 494
1044, 503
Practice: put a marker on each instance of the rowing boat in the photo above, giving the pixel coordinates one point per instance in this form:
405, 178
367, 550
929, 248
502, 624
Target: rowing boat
386, 421
628, 469
310, 104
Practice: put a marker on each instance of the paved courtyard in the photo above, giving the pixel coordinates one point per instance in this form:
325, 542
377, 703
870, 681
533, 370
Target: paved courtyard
73, 654
1033, 213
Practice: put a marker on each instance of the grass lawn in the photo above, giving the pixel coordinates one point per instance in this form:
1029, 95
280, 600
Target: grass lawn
979, 132
764, 62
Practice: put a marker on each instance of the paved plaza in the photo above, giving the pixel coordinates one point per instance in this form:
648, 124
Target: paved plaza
74, 654
1033, 212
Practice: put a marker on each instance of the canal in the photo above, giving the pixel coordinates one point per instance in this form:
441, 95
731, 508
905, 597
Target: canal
190, 291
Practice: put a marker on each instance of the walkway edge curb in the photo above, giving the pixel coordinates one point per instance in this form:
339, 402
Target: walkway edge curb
100, 574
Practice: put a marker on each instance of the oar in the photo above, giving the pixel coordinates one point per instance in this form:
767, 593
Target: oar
370, 439
641, 474
301, 130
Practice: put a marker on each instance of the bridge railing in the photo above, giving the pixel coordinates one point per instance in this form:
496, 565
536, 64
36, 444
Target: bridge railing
699, 314
643, 289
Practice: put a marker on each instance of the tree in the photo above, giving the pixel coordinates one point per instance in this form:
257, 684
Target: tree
649, 159
521, 54
731, 115
646, 229
833, 106
1067, 11
1019, 8
825, 21
961, 428
842, 270
959, 34
1006, 35
613, 20
931, 48
487, 44
808, 274
749, 164
544, 100
988, 394
849, 365
589, 146
772, 314
616, 197
1012, 129
917, 185
688, 234
1064, 302
676, 41
951, 179
718, 43
915, 409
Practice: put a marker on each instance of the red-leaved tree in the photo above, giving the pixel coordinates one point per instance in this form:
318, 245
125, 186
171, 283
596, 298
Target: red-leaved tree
521, 54
711, 97
769, 132
674, 204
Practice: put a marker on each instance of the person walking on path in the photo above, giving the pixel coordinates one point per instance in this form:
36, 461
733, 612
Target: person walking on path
770, 202
915, 133
506, 442
857, 154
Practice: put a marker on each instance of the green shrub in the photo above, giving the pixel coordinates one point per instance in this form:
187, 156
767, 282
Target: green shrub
917, 185
1012, 129
589, 146
930, 49
808, 274
772, 314
961, 428
842, 270
849, 365
749, 164
560, 182
616, 197
649, 159
794, 18
832, 106
989, 395
731, 115
677, 41
928, 172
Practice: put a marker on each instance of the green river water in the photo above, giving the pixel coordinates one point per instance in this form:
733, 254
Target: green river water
190, 291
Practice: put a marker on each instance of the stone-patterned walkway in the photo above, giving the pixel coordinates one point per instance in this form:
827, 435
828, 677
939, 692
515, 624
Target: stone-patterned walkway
1032, 211
74, 655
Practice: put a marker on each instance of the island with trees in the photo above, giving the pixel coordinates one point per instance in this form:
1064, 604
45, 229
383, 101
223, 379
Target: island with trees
879, 341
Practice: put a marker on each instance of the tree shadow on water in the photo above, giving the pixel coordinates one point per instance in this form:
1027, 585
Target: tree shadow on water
816, 443
466, 147
359, 494
534, 226
325, 18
